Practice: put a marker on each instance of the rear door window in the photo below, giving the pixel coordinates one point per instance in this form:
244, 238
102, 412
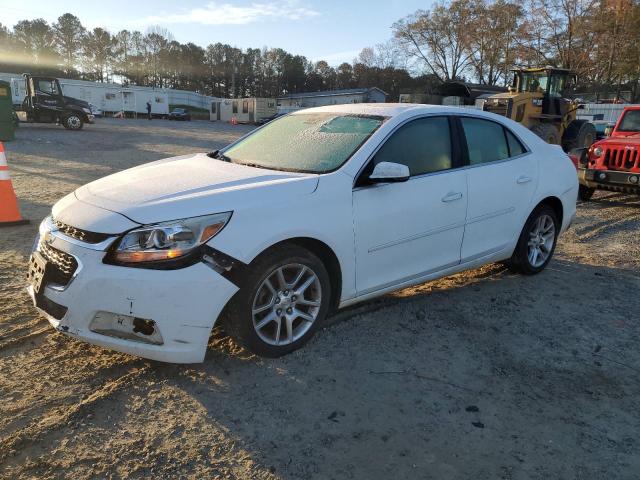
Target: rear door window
486, 140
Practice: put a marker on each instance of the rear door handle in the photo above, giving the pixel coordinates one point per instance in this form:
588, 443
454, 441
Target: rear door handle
524, 179
452, 197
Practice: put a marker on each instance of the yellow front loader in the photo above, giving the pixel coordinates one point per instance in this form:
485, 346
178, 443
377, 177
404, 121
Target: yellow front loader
535, 100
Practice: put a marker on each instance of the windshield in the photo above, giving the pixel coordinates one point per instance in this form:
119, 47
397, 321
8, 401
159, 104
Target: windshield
178, 110
539, 82
305, 142
534, 82
630, 122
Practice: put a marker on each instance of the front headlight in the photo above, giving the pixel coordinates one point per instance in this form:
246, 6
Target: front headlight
86, 110
598, 151
168, 240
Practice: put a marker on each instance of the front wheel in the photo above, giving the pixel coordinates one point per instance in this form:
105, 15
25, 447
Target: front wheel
281, 303
537, 241
585, 193
73, 122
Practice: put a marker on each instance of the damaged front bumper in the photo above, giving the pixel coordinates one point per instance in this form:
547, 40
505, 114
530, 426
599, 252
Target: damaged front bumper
164, 315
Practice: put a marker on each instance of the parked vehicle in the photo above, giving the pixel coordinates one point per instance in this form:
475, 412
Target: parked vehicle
97, 113
180, 114
536, 100
270, 118
612, 163
45, 103
317, 210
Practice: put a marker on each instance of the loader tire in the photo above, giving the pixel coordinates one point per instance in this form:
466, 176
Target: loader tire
547, 132
579, 134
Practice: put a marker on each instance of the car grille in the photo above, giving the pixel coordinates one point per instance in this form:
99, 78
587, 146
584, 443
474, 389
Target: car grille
82, 235
621, 158
62, 265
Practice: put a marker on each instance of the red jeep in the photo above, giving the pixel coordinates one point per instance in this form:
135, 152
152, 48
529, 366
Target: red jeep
614, 162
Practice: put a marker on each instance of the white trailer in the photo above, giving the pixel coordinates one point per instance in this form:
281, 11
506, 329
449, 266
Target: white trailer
244, 110
111, 97
108, 97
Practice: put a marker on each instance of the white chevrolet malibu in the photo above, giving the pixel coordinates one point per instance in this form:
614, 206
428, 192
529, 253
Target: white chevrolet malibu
317, 210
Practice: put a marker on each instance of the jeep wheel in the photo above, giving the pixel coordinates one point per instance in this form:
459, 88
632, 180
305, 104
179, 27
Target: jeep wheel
73, 122
585, 193
281, 303
537, 241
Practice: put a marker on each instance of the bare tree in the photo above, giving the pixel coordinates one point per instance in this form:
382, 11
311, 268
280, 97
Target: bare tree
492, 39
439, 38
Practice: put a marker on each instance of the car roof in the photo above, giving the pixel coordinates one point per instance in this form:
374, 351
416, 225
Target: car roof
391, 109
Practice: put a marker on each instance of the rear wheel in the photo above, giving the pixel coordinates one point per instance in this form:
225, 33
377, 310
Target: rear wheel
585, 193
537, 241
281, 303
73, 122
547, 132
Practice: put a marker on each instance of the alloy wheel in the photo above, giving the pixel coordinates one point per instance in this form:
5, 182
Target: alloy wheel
286, 304
73, 121
541, 240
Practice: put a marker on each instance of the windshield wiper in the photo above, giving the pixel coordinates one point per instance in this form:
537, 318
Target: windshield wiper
219, 156
254, 165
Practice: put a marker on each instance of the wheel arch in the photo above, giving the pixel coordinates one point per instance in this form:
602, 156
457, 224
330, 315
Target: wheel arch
326, 255
556, 204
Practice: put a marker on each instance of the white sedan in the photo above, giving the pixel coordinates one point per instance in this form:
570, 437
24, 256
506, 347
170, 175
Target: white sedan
317, 210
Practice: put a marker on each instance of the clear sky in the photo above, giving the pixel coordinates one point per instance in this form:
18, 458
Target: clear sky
319, 29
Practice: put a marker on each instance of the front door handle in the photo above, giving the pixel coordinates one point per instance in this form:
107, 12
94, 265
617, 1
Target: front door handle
452, 197
524, 179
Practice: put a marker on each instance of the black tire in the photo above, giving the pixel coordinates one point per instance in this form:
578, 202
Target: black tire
585, 193
239, 317
547, 132
73, 121
520, 260
579, 134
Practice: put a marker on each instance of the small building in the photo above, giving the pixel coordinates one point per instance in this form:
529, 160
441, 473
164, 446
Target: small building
333, 97
245, 110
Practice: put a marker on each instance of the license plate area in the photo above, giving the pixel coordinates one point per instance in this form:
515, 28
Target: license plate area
37, 271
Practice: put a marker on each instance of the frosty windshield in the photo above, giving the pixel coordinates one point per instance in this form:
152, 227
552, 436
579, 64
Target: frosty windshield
306, 142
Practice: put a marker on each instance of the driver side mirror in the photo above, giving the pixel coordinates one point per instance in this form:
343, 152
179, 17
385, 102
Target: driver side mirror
387, 172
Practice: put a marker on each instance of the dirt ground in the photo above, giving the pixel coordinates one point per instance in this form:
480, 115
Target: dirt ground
481, 375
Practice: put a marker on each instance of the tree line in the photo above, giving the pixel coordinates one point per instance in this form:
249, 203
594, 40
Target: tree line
469, 40
483, 40
154, 58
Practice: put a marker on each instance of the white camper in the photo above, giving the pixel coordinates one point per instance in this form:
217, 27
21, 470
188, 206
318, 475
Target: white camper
244, 110
111, 97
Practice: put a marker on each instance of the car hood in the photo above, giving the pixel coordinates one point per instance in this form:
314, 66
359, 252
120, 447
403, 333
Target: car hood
190, 186
622, 139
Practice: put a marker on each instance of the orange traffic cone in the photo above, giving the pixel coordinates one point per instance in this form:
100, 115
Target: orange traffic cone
9, 212
234, 121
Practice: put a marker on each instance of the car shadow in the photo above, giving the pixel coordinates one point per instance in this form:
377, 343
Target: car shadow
470, 375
